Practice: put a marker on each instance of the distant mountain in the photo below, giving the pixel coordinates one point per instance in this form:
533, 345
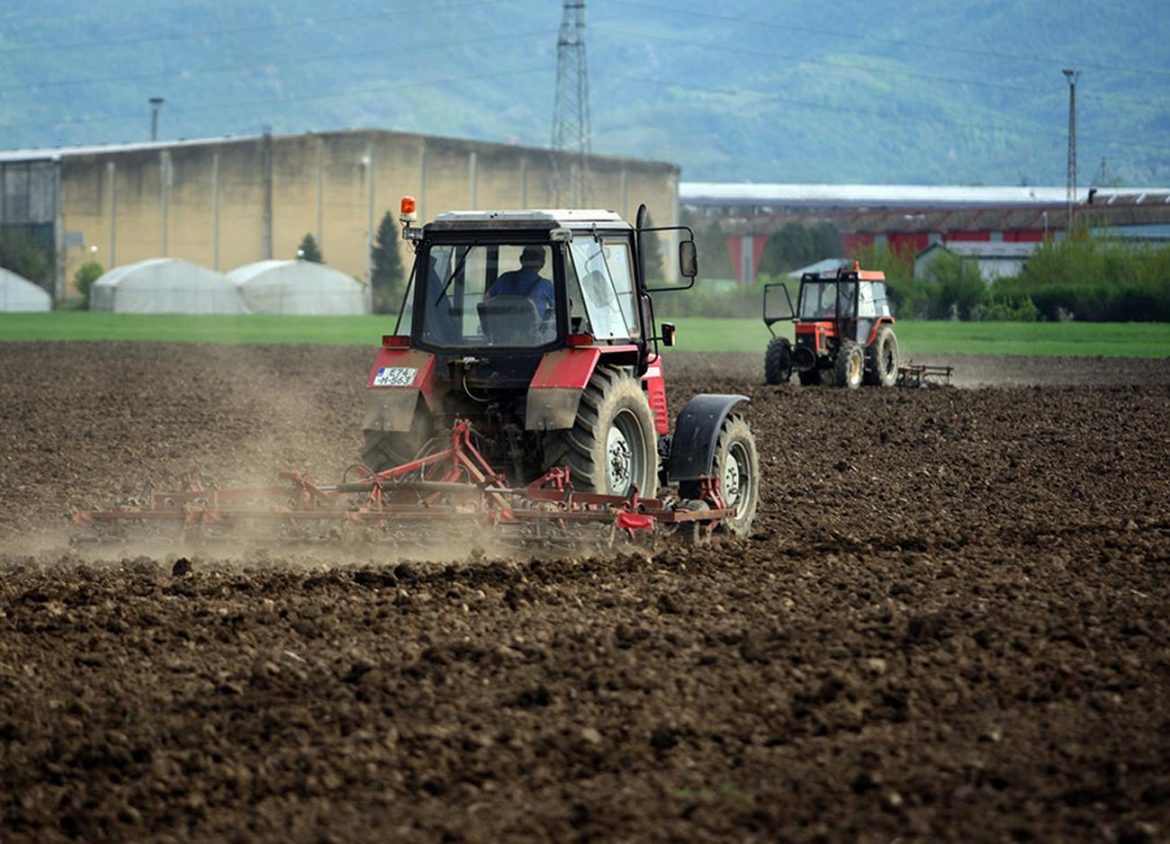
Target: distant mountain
877, 91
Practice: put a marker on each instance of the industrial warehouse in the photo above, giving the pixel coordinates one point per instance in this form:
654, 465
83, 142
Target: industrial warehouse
230, 202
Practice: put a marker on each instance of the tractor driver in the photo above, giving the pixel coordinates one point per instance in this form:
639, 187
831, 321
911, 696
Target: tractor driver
527, 281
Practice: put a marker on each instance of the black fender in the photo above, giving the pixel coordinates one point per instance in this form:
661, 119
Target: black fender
696, 434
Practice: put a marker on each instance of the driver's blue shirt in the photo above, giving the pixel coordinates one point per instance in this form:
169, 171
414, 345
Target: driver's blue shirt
526, 282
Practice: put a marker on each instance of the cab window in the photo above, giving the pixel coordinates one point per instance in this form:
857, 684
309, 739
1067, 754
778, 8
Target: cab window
488, 295
603, 276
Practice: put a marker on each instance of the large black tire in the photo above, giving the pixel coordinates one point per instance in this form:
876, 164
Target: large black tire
612, 443
883, 359
736, 469
850, 365
778, 361
386, 449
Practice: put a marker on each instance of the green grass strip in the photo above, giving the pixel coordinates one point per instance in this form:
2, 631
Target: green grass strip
920, 339
696, 334
183, 328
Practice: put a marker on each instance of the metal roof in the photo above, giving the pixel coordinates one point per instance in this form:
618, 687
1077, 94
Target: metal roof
57, 153
985, 250
569, 216
905, 196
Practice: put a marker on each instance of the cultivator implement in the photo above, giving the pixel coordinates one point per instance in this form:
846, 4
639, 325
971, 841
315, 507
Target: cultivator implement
924, 375
451, 494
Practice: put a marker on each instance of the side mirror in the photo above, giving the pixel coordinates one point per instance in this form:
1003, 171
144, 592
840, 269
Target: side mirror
688, 259
668, 334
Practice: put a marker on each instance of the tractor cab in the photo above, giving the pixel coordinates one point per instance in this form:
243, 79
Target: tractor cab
842, 329
849, 300
512, 286
522, 289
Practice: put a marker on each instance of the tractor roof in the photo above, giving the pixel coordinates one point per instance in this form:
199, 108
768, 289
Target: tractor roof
844, 274
535, 219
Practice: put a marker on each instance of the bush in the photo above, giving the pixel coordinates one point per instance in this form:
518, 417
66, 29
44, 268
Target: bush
1011, 308
83, 279
1094, 279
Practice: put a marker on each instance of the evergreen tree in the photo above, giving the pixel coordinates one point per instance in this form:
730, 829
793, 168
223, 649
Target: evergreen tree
386, 283
309, 250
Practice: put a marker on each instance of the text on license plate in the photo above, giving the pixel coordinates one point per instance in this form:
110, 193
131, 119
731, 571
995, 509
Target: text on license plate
394, 376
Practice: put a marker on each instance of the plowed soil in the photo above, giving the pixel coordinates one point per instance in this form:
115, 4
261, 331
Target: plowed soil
951, 623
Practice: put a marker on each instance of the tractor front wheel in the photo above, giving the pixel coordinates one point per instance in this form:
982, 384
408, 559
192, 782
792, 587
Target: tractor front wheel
850, 366
736, 469
883, 358
613, 444
778, 361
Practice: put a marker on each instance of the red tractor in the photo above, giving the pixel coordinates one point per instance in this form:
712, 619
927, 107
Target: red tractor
844, 330
554, 365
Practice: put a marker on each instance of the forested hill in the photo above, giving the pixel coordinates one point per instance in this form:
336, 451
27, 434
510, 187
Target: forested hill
870, 91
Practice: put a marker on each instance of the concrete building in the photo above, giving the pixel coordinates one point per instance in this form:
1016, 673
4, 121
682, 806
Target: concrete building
229, 202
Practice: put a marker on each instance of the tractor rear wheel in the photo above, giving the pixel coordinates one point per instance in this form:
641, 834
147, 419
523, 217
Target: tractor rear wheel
386, 449
883, 359
612, 444
850, 365
736, 469
778, 361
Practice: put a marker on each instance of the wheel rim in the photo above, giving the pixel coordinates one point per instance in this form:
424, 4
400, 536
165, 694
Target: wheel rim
623, 460
736, 479
854, 371
887, 359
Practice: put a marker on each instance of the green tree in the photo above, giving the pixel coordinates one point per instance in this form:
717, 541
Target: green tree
386, 282
826, 241
960, 287
791, 247
83, 280
309, 250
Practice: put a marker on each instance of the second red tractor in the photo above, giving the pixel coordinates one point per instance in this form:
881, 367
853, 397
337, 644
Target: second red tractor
843, 326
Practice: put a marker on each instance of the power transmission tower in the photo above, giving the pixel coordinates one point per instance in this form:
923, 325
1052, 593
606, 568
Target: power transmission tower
1071, 76
570, 129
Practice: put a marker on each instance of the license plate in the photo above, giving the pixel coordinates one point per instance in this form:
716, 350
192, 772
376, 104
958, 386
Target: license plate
394, 376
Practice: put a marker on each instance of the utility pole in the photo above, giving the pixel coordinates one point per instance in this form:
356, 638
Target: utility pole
155, 105
570, 129
1071, 76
